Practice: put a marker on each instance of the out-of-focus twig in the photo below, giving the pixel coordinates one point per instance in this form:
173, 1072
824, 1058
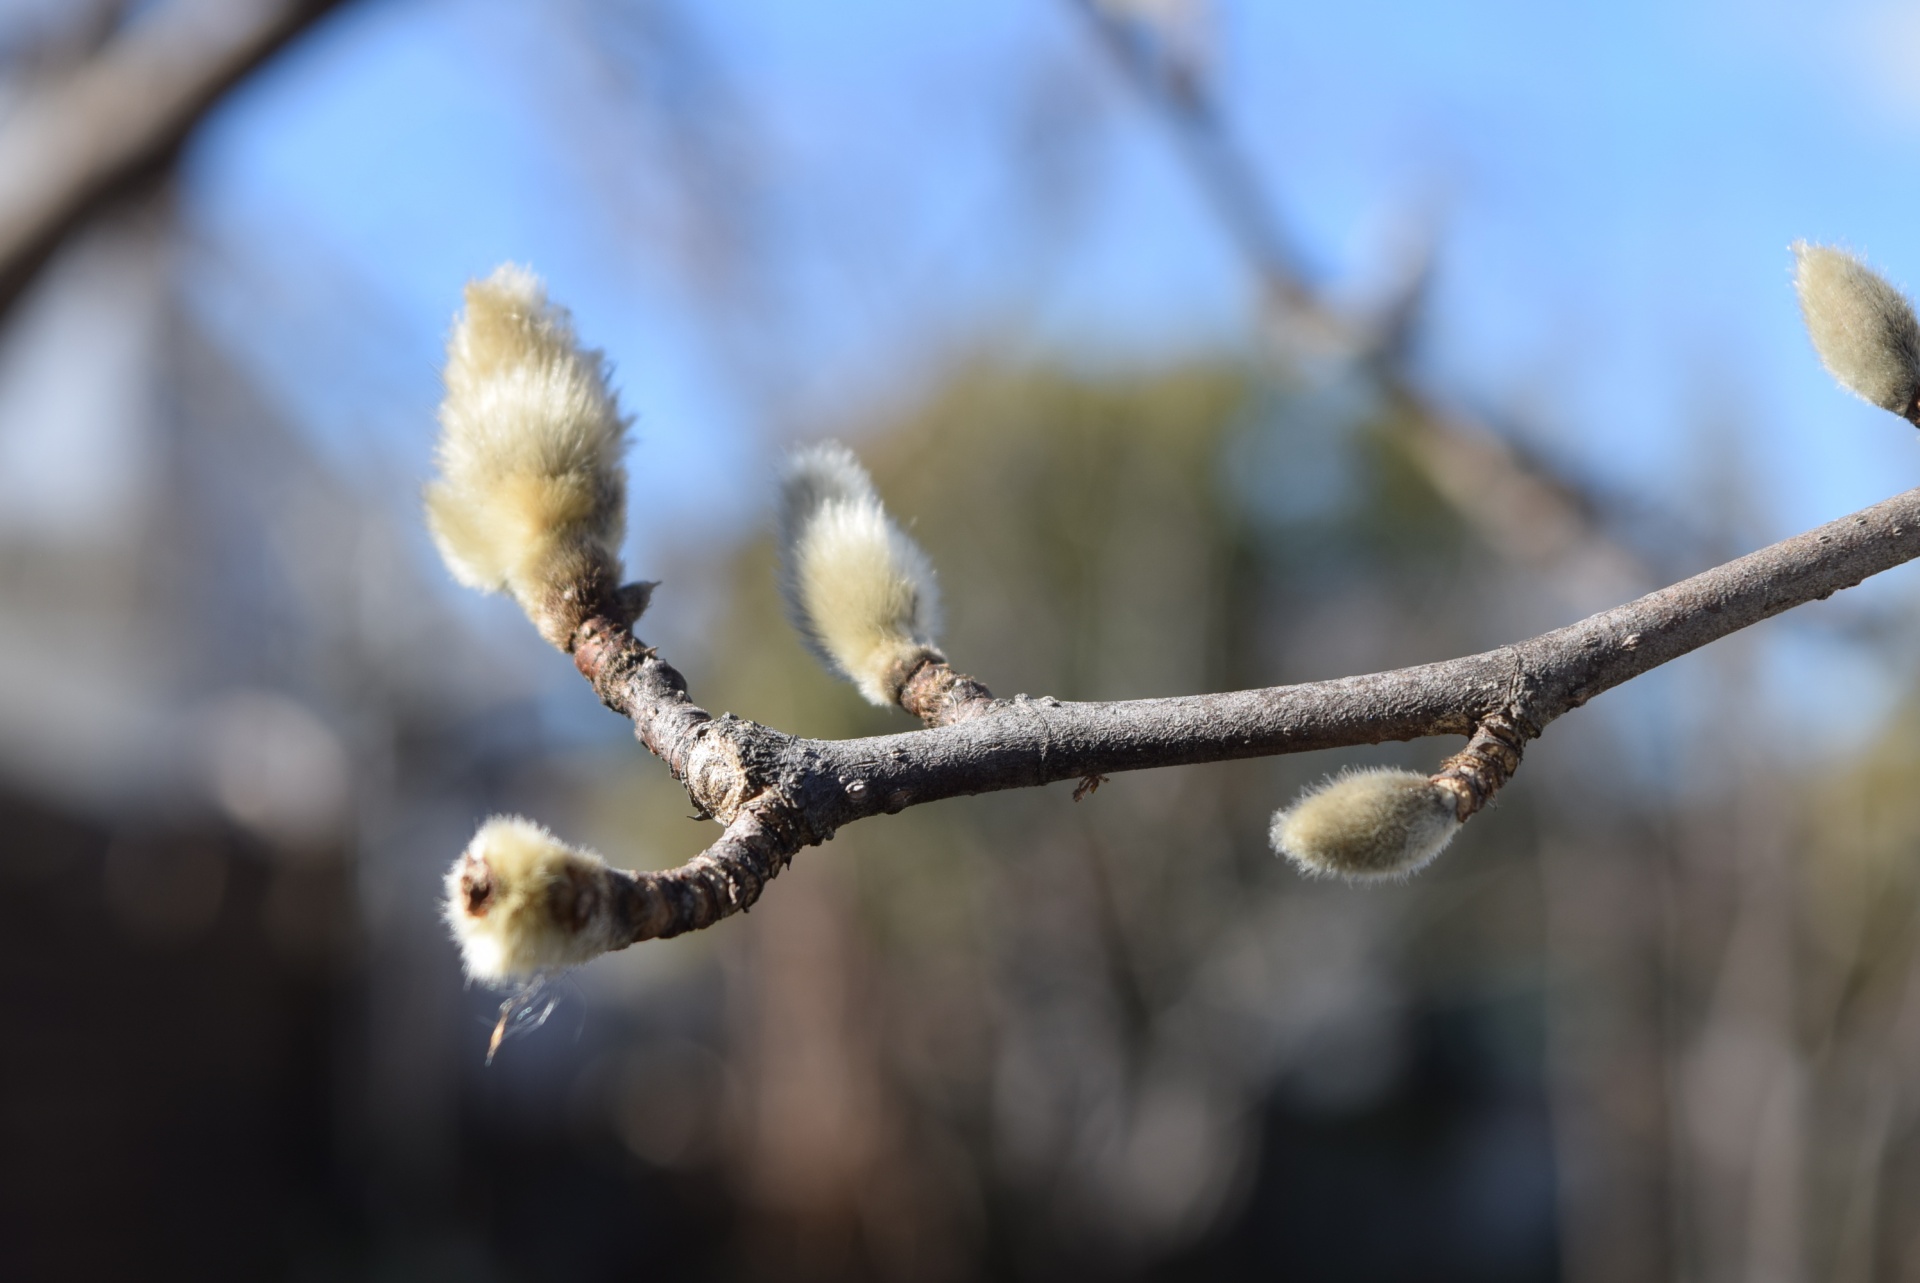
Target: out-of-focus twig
102, 128
1176, 90
1525, 512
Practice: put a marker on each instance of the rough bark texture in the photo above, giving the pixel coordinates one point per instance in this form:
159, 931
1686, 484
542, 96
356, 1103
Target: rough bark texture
938, 696
777, 793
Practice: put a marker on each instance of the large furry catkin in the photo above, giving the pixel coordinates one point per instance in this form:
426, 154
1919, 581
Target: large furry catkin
1863, 328
531, 496
1367, 824
860, 592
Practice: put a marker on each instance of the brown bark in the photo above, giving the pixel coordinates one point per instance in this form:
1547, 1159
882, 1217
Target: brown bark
777, 793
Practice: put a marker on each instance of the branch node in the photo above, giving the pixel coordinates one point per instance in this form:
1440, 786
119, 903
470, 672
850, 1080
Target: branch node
939, 696
716, 777
1492, 755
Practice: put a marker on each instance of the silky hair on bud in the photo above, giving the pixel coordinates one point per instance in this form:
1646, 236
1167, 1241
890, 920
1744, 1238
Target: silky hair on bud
858, 590
522, 903
531, 496
1863, 328
1379, 823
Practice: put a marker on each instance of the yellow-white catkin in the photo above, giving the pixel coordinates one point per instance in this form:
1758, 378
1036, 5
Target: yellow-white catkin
531, 496
1863, 328
523, 903
860, 592
1378, 823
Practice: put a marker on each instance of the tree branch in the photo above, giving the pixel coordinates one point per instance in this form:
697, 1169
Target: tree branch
113, 122
777, 793
1525, 512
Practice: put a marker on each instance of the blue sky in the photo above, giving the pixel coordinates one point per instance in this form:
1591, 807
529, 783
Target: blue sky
1615, 187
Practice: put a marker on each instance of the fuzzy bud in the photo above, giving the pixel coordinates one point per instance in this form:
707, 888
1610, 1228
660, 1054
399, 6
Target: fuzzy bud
1367, 824
1863, 328
531, 496
523, 903
858, 590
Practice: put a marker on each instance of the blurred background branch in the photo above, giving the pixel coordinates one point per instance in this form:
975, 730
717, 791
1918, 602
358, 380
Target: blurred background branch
1533, 517
106, 114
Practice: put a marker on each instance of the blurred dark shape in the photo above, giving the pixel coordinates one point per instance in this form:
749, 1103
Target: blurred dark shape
1440, 1177
166, 887
168, 1081
669, 1102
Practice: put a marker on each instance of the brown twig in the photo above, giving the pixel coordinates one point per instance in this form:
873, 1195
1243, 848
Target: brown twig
777, 793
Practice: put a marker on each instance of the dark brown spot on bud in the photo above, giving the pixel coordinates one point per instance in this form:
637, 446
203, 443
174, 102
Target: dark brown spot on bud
476, 886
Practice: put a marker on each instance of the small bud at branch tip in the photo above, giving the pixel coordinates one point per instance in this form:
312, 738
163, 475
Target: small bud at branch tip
522, 903
1862, 327
858, 590
1366, 825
